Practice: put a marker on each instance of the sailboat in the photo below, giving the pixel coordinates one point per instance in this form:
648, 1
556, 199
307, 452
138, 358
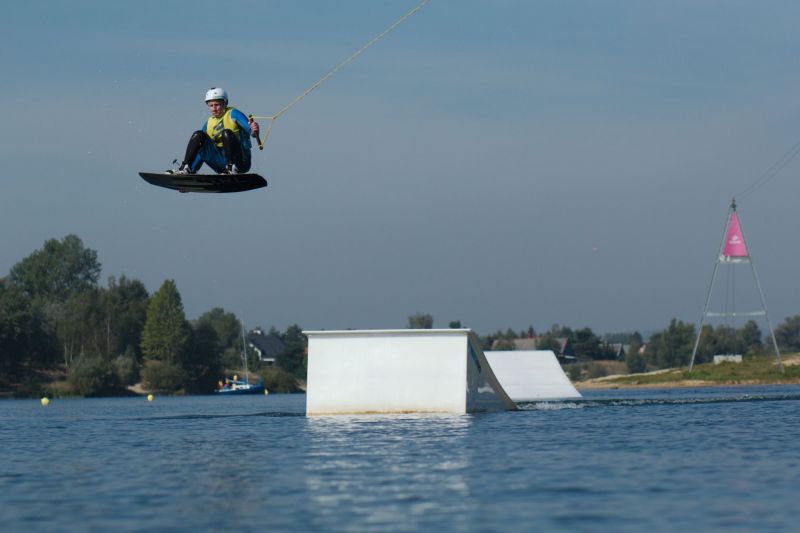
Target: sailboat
236, 386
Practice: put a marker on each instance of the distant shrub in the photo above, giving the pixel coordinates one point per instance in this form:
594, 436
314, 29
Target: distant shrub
231, 358
574, 372
127, 369
635, 362
503, 344
30, 388
596, 370
93, 376
163, 376
278, 380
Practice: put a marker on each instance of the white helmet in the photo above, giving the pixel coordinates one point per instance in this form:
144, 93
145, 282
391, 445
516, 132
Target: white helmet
216, 93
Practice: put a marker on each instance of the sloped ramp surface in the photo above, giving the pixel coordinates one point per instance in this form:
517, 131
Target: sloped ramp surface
528, 375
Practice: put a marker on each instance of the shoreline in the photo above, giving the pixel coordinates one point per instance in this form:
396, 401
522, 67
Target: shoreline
758, 371
679, 384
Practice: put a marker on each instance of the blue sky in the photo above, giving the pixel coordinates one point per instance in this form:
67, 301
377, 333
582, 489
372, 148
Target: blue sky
501, 163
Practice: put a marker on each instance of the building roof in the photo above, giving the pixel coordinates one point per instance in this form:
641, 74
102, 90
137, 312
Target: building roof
619, 349
529, 343
532, 343
269, 346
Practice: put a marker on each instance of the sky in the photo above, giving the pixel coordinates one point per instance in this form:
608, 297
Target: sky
502, 163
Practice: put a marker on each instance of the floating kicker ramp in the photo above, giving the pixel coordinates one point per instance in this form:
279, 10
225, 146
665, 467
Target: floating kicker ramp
529, 375
400, 371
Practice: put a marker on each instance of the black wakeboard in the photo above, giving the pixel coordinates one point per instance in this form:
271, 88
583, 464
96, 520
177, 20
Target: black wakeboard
205, 182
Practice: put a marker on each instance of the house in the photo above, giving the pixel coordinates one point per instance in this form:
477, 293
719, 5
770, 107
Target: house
266, 346
619, 350
565, 353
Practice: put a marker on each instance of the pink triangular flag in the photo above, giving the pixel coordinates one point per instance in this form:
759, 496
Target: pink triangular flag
734, 240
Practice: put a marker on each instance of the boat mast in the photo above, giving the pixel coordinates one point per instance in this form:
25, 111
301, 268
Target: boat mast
244, 355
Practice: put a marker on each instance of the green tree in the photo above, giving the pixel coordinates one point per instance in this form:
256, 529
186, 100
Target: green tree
126, 367
166, 333
58, 270
293, 358
202, 362
673, 346
420, 321
548, 341
24, 339
94, 376
499, 340
125, 310
229, 332
76, 322
622, 337
708, 345
163, 376
102, 322
727, 340
750, 338
510, 334
455, 324
635, 339
787, 334
503, 343
278, 380
574, 372
586, 344
634, 360
562, 331
635, 343
606, 351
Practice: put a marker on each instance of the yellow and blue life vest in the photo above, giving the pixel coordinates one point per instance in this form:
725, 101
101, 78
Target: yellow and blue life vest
232, 119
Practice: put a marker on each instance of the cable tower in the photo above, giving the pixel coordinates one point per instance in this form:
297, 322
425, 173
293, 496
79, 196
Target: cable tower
734, 252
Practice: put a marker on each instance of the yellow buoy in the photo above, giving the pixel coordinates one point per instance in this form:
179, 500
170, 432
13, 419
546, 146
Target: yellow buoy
150, 397
266, 392
45, 401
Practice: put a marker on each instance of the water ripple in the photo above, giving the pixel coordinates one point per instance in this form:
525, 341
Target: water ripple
628, 402
701, 459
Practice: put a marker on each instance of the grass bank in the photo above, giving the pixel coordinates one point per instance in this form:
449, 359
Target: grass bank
761, 370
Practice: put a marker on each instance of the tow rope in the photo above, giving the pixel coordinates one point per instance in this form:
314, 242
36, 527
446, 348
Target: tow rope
334, 70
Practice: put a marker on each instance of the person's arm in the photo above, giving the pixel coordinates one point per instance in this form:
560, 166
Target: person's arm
244, 122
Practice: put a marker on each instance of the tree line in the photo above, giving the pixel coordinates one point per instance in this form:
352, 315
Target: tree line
667, 348
56, 319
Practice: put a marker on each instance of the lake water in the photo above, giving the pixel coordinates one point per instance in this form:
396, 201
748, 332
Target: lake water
698, 459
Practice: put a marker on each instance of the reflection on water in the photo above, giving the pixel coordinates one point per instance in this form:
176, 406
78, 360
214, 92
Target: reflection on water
394, 468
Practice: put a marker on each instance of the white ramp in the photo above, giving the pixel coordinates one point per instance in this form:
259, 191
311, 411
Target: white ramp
529, 375
400, 371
